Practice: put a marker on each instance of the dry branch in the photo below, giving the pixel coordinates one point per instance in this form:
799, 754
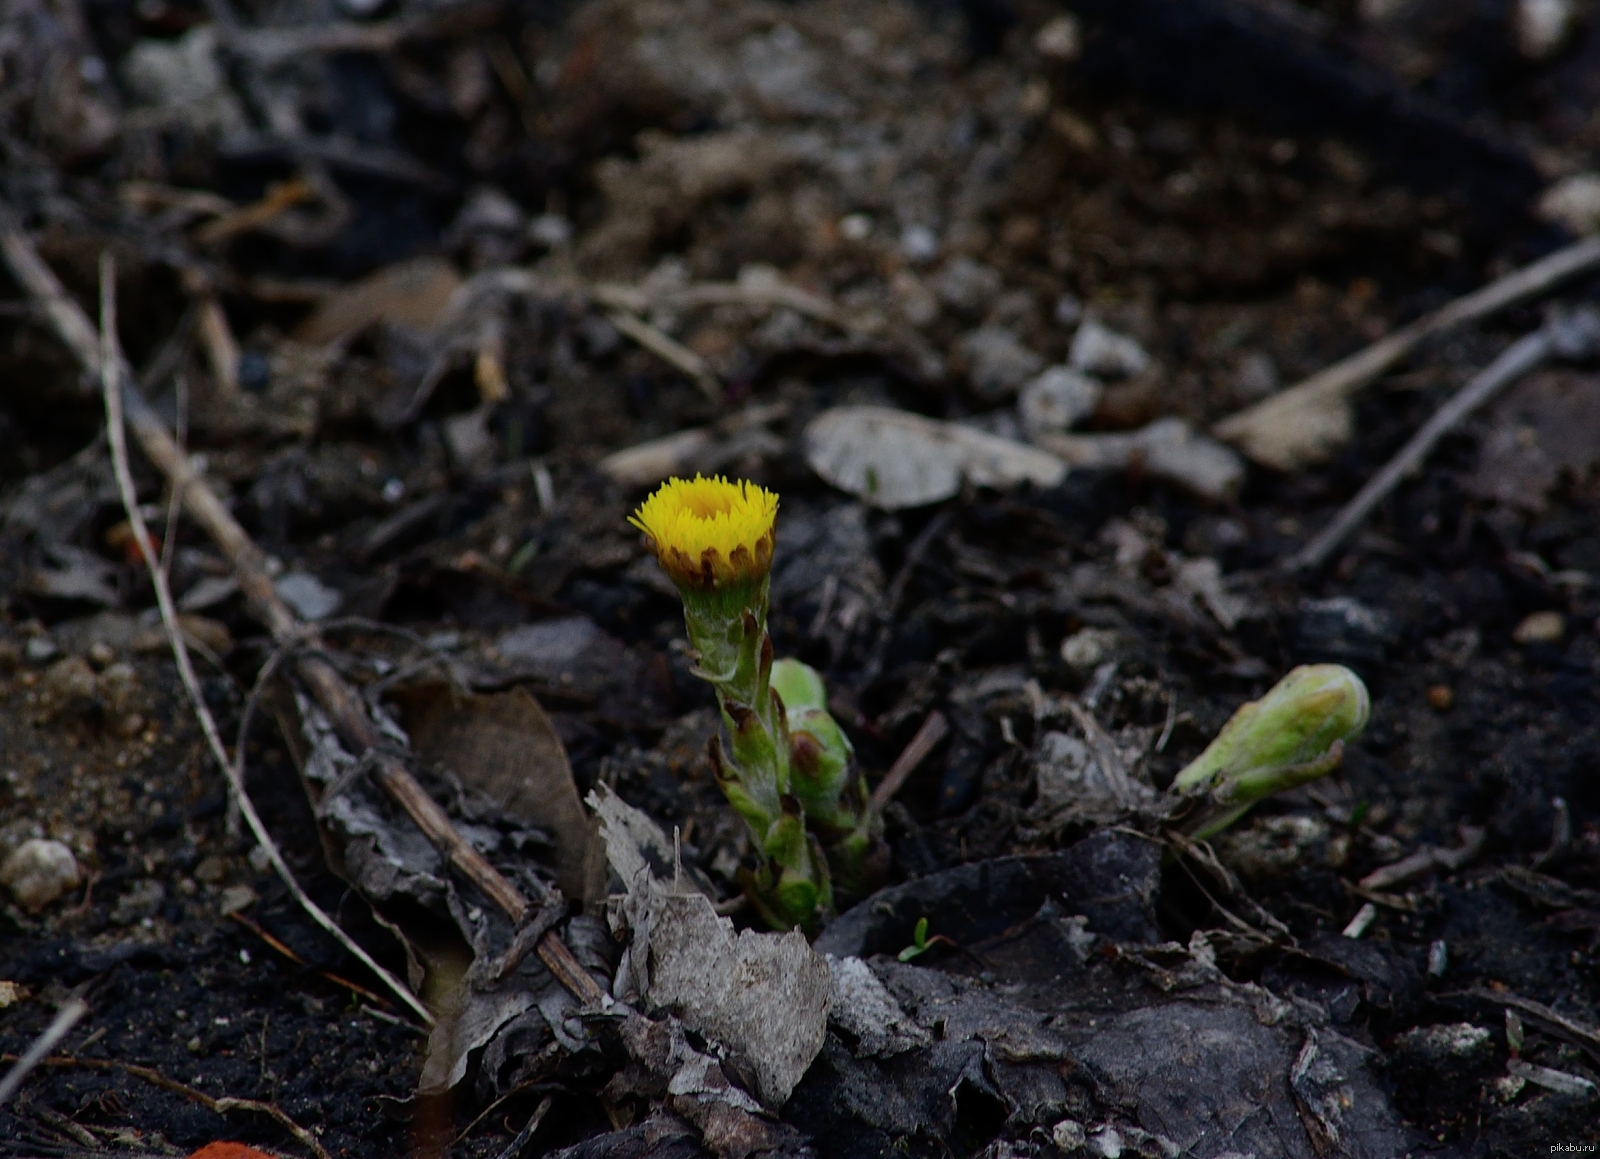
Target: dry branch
1572, 335
114, 381
1303, 424
341, 702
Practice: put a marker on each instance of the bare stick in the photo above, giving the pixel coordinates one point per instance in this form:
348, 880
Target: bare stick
220, 1106
1566, 336
1258, 430
341, 702
933, 731
1517, 360
111, 387
73, 1009
669, 350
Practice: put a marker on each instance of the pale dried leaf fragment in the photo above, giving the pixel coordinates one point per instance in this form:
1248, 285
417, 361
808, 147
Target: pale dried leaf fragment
764, 997
1168, 449
894, 459
863, 1007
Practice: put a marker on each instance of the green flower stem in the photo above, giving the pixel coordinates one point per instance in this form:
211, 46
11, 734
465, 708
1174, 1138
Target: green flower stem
728, 630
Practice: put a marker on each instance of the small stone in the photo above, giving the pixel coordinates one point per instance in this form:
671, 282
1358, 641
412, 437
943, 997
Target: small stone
235, 899
260, 860
1060, 38
1541, 628
193, 1045
967, 285
1573, 202
551, 230
1440, 697
10, 994
1543, 27
40, 648
1098, 349
1107, 1142
1505, 1088
139, 903
1068, 311
39, 871
308, 595
1068, 1135
1058, 400
1087, 648
999, 363
68, 685
1438, 958
1256, 377
855, 227
101, 654
211, 870
919, 243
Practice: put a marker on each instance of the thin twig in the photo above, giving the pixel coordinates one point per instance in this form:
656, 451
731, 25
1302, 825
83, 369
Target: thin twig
110, 373
933, 731
72, 1010
1258, 430
1518, 359
220, 1106
1570, 334
669, 350
514, 1148
341, 702
1552, 1020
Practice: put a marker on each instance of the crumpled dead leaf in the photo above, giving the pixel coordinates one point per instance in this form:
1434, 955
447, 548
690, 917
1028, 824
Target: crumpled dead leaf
894, 459
494, 995
763, 997
865, 1010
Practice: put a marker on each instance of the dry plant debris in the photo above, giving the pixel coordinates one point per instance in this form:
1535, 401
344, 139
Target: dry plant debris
419, 300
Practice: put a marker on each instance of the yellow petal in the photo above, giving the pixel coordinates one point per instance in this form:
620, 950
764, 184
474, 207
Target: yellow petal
709, 532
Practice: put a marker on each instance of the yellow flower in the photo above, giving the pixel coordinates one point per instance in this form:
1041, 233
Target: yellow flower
707, 533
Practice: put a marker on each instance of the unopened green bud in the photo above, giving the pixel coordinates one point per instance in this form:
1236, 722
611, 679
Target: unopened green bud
819, 752
1290, 737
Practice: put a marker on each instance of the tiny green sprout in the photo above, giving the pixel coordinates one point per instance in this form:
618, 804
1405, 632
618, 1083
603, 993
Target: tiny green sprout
1293, 735
921, 943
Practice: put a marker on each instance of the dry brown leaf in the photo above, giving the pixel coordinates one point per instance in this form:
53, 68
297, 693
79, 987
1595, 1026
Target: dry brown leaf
504, 746
412, 293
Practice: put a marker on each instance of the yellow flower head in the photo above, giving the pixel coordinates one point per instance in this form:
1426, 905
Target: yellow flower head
707, 533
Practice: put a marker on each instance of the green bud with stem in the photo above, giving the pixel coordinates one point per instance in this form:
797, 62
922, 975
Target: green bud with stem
1293, 735
823, 777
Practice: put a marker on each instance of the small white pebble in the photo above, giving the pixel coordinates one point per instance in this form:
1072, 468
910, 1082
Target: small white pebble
1541, 628
1363, 919
39, 871
1438, 959
855, 227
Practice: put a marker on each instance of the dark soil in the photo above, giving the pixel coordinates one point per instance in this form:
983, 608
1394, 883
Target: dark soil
1245, 191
